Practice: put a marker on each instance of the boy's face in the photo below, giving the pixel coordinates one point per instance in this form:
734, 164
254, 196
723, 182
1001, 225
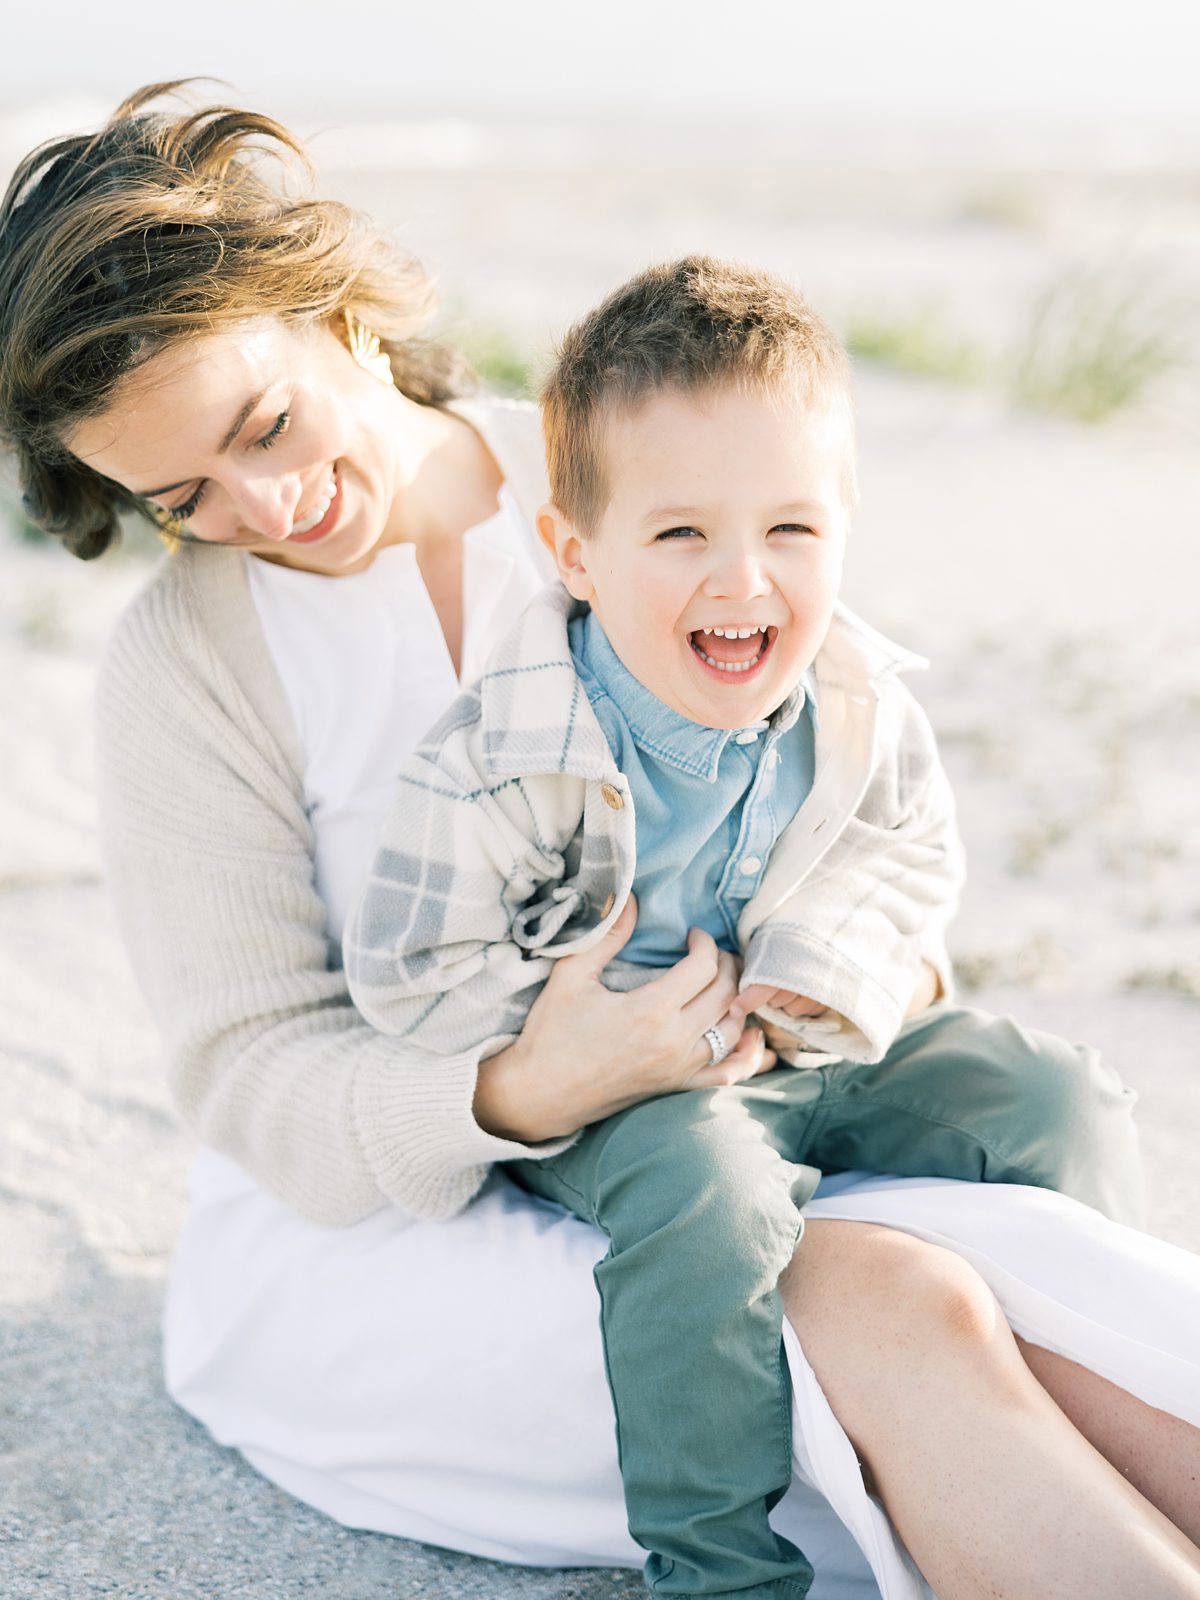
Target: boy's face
727, 512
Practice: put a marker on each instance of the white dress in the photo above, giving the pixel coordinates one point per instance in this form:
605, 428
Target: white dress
444, 1380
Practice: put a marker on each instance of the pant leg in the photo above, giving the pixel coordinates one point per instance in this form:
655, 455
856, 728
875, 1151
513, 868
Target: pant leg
963, 1094
703, 1214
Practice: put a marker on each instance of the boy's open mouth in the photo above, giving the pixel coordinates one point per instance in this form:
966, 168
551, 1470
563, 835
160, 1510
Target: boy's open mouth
732, 651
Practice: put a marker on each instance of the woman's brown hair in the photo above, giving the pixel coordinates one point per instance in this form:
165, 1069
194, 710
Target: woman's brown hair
163, 226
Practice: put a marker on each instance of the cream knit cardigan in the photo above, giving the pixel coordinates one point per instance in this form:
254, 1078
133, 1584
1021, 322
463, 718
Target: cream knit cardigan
209, 853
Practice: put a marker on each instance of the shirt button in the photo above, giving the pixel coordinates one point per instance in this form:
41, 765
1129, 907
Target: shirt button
749, 865
612, 797
748, 737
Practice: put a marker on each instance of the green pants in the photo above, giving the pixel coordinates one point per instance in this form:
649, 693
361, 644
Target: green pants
700, 1195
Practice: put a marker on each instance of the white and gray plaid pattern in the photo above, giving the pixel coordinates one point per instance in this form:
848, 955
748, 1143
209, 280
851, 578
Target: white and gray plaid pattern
510, 843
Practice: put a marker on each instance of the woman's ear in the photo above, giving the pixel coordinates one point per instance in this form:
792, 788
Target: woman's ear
568, 549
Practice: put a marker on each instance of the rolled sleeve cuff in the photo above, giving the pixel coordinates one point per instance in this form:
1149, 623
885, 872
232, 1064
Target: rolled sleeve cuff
871, 1009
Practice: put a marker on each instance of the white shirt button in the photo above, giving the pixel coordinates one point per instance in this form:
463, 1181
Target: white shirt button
749, 865
747, 737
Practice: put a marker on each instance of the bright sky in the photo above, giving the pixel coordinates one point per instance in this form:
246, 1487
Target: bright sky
1124, 58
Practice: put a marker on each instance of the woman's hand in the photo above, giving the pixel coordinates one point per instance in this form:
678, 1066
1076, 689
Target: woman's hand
587, 1051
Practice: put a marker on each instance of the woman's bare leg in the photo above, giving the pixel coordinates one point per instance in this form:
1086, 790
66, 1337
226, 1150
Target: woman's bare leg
1158, 1454
994, 1492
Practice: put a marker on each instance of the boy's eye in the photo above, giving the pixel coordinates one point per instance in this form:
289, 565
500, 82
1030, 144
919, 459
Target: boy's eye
792, 527
679, 533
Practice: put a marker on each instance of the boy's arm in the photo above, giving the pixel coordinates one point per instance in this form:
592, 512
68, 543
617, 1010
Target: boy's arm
857, 935
434, 950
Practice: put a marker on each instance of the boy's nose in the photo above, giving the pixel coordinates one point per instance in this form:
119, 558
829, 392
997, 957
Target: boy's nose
742, 577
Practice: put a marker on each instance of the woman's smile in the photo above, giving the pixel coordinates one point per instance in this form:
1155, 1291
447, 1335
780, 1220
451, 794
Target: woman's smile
323, 517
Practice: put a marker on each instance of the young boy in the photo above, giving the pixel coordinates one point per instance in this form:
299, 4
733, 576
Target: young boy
696, 672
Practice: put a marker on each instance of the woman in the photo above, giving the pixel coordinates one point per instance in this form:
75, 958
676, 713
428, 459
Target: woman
179, 337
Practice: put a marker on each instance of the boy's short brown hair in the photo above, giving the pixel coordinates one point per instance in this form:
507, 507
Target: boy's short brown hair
686, 324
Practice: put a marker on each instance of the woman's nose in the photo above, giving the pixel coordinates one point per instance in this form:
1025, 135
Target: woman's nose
267, 506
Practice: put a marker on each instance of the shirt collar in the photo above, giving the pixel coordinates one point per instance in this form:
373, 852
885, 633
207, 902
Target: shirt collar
658, 730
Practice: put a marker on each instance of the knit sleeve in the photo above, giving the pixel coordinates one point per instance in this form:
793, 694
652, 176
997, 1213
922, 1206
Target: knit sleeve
208, 851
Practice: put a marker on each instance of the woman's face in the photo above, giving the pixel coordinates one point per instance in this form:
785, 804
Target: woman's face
266, 436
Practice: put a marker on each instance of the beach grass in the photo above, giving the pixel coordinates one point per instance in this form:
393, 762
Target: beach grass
1094, 344
504, 365
917, 342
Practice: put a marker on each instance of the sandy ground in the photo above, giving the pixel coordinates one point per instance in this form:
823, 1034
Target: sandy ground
1051, 571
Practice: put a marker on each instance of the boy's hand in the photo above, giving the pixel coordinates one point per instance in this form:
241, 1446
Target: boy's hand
762, 994
928, 990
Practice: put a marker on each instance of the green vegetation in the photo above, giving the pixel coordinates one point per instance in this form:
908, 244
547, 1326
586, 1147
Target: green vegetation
505, 367
919, 343
1003, 204
1167, 980
1094, 345
13, 518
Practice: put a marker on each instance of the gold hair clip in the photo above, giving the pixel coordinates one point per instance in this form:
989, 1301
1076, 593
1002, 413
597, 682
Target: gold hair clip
366, 349
165, 525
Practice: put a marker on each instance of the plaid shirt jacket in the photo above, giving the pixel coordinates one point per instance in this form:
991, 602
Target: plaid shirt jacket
511, 842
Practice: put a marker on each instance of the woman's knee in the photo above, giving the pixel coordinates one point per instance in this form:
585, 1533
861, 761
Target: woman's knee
899, 1333
874, 1307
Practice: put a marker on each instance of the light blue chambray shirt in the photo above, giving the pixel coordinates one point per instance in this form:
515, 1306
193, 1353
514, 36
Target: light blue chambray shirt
709, 803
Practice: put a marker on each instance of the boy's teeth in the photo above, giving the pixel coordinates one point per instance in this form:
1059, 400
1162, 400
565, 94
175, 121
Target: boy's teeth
741, 661
730, 666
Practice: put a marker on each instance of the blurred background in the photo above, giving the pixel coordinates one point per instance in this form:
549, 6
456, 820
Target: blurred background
998, 208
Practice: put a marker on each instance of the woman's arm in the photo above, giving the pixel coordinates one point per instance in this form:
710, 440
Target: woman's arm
587, 1052
209, 854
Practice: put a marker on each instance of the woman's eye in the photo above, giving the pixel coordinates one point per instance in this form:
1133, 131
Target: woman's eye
280, 428
680, 533
187, 509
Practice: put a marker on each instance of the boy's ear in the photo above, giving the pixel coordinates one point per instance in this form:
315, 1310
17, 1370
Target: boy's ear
568, 549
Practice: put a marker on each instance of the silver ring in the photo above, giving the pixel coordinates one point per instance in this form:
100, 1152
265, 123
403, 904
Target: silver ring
716, 1044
